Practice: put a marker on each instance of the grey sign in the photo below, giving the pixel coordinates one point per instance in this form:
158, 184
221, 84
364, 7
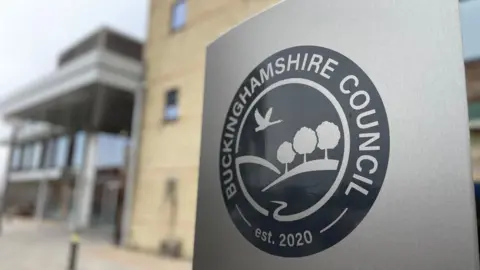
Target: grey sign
304, 151
335, 136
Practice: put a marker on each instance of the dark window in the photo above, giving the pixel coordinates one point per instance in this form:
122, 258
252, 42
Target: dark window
85, 46
179, 15
44, 154
124, 46
171, 105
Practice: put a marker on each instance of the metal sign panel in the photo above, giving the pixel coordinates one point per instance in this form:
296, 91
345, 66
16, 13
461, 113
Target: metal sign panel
335, 136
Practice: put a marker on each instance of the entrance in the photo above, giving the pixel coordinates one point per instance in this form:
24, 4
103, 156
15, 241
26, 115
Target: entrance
107, 204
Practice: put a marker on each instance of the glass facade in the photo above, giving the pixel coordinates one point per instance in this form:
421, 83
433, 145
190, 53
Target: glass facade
79, 149
111, 150
16, 157
61, 151
49, 157
54, 152
27, 157
37, 155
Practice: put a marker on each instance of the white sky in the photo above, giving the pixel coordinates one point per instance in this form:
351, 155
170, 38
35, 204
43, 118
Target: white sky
34, 32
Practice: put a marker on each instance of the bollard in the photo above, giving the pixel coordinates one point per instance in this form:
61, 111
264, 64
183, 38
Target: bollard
74, 245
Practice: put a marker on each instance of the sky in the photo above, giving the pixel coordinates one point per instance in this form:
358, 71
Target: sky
34, 32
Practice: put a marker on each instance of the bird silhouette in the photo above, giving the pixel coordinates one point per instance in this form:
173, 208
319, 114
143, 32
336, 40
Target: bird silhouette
264, 122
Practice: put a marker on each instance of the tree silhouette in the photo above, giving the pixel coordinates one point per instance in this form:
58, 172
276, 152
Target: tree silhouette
328, 136
304, 142
285, 154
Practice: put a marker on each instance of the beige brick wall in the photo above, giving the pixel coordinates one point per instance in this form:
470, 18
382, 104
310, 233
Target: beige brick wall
172, 150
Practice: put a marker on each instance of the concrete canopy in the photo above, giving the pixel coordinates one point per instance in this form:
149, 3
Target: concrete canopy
95, 92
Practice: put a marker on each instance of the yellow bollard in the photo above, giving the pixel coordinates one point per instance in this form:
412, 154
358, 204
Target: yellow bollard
74, 243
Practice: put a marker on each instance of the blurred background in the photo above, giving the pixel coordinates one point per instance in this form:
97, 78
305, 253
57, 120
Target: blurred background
101, 104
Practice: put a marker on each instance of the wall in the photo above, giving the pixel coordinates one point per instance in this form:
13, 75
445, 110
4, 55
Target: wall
171, 150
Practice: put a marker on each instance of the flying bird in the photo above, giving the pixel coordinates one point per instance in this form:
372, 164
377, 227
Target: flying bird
264, 122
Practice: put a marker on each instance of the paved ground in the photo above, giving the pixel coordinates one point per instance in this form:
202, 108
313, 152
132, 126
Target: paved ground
26, 246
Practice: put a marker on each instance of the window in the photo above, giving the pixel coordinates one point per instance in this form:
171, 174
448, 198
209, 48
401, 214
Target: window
44, 154
16, 157
111, 150
27, 157
49, 158
171, 105
37, 155
179, 15
61, 151
79, 149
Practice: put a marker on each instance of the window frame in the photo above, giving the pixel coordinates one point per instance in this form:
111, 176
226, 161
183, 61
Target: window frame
173, 8
167, 105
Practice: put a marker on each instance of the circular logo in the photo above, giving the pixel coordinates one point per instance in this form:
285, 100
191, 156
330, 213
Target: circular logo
304, 151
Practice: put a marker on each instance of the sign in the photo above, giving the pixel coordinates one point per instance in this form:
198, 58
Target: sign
335, 136
332, 151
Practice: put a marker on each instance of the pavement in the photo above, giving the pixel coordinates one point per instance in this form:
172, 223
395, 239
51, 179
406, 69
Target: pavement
25, 245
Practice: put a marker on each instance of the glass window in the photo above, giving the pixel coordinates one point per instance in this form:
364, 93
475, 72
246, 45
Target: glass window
37, 155
79, 149
111, 150
179, 15
27, 158
49, 160
171, 105
44, 153
16, 157
61, 151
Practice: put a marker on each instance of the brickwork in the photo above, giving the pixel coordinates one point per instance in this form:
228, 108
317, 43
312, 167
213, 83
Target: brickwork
177, 60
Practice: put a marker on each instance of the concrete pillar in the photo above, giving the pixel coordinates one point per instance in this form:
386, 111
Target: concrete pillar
41, 203
6, 175
131, 165
85, 184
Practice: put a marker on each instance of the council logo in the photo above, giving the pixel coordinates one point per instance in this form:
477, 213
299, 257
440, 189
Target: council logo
304, 151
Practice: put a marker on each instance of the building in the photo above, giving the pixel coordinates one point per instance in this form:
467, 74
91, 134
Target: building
70, 139
170, 139
98, 92
470, 20
179, 31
